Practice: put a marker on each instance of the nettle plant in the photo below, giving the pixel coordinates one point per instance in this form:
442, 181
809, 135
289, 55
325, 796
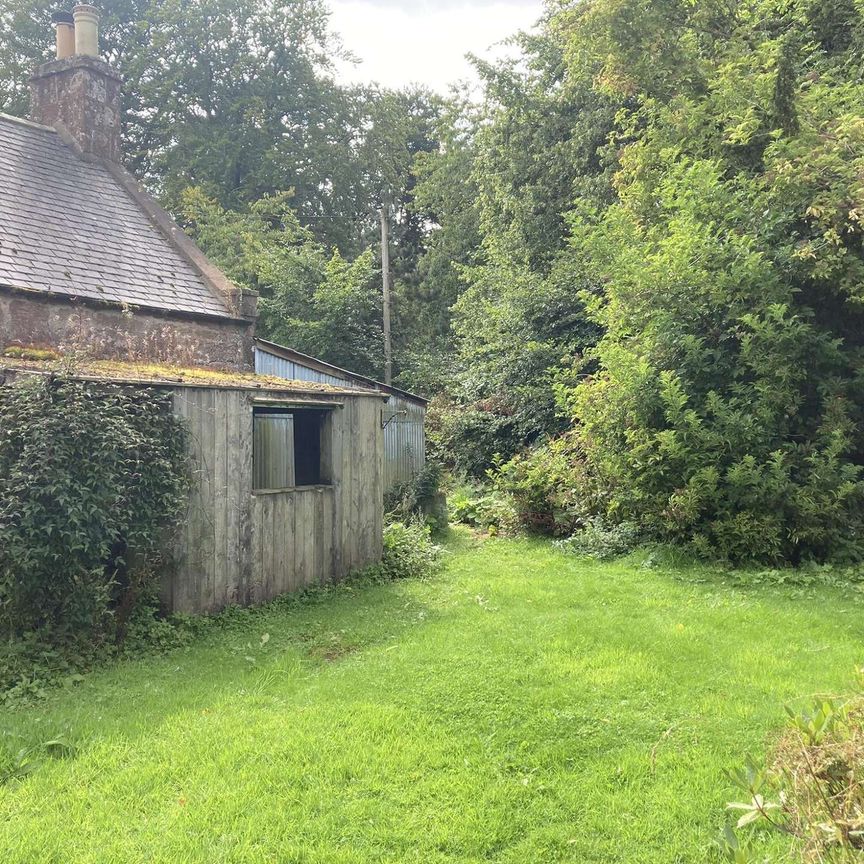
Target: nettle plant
91, 474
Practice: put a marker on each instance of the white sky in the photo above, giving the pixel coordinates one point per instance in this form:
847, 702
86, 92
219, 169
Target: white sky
405, 42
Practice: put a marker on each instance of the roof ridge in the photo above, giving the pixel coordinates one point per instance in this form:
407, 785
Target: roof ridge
269, 344
20, 120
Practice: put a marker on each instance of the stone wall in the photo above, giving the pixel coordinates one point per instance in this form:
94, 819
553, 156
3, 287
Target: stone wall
103, 332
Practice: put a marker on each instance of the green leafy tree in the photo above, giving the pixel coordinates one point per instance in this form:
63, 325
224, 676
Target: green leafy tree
727, 410
519, 318
446, 218
401, 128
312, 299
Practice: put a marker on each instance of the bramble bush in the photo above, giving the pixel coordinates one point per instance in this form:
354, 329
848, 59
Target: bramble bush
91, 475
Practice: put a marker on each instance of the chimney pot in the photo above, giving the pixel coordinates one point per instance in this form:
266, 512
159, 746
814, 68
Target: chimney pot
64, 24
86, 30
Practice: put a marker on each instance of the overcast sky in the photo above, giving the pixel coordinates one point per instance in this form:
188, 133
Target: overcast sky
403, 42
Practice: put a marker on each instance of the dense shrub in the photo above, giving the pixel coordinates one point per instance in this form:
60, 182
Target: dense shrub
470, 439
549, 488
726, 414
420, 498
409, 552
90, 475
731, 423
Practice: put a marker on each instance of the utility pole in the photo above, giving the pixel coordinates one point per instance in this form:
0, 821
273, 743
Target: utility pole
385, 275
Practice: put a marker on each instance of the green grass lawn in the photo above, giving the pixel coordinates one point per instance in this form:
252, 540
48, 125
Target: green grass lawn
522, 707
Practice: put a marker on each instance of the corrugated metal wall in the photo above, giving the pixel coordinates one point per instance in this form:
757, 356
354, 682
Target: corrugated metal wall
272, 451
405, 435
404, 440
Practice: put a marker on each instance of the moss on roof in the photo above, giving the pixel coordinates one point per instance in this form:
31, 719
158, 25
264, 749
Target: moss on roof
167, 375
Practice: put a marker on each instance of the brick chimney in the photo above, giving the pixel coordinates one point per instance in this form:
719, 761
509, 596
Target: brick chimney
78, 91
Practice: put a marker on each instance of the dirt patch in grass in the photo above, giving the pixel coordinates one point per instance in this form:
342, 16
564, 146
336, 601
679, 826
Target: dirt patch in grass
330, 648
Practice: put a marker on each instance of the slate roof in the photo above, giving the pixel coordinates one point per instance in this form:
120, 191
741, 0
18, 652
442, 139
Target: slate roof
68, 227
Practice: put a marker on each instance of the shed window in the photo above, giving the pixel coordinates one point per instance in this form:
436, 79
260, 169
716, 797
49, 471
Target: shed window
289, 447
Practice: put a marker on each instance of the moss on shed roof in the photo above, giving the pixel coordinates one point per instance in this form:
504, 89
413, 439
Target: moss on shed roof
168, 375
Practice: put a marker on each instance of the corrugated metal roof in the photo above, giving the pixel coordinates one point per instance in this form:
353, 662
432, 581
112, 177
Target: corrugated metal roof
68, 227
266, 352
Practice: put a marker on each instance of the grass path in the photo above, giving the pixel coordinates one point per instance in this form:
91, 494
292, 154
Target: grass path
523, 707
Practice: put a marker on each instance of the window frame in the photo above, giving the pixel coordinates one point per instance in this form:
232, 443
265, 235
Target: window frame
325, 412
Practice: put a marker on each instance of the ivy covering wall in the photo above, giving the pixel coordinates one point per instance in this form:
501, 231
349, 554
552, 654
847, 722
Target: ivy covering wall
91, 478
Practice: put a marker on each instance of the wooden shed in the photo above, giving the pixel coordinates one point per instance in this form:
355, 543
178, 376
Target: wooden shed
404, 412
287, 482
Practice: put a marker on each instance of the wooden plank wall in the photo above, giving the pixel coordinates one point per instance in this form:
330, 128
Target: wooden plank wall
240, 547
361, 484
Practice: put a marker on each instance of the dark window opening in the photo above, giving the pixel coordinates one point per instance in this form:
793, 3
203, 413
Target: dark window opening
308, 426
289, 447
